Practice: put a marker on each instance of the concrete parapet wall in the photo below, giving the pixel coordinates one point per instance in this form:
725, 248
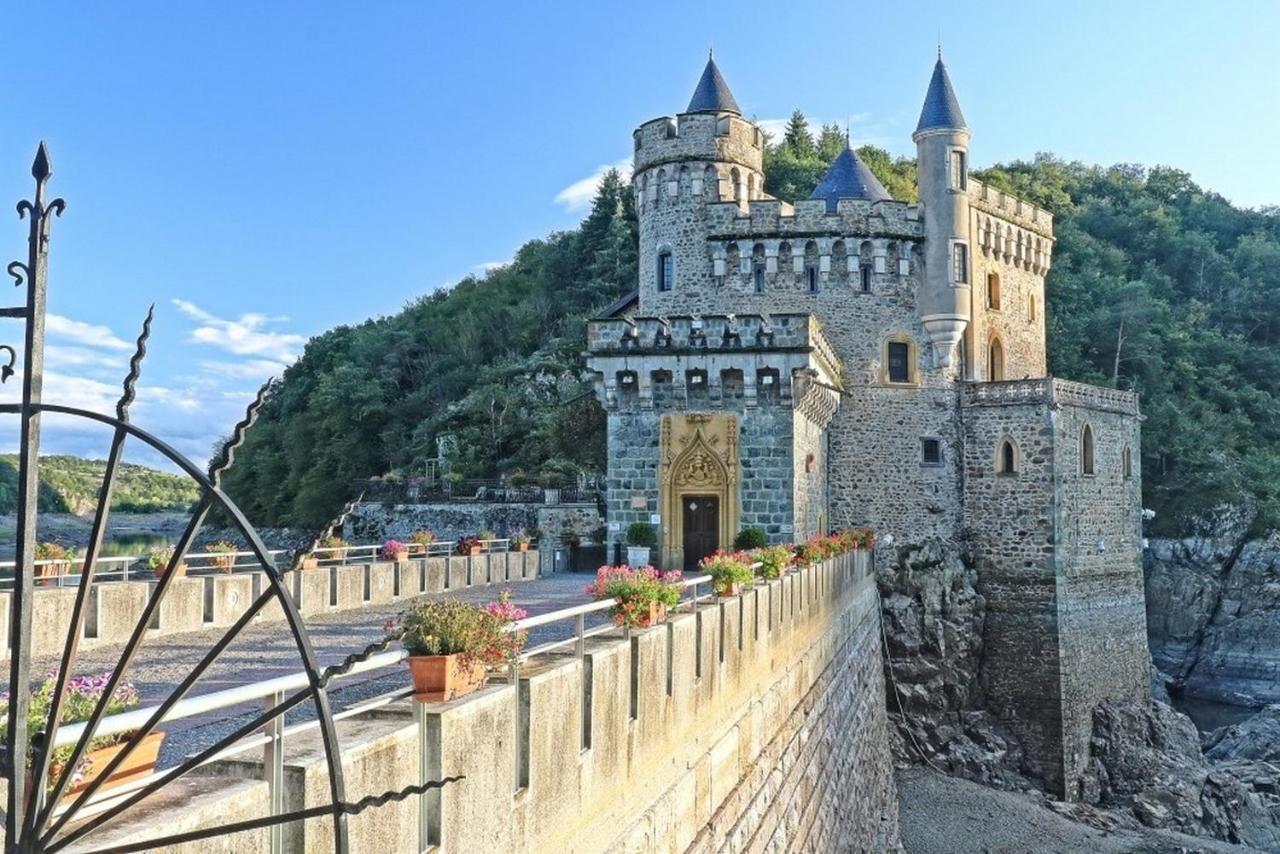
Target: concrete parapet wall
756, 723
201, 602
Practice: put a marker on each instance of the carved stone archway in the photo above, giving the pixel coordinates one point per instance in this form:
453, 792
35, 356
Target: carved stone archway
699, 456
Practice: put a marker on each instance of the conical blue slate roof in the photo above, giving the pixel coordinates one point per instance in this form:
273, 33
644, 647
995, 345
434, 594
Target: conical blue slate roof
849, 178
941, 109
712, 94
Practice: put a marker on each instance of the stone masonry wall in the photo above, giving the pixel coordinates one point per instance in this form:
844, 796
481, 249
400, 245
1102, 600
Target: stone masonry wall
1021, 335
1101, 603
1009, 522
371, 522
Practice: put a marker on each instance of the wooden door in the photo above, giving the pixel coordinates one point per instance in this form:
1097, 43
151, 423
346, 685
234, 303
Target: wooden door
701, 528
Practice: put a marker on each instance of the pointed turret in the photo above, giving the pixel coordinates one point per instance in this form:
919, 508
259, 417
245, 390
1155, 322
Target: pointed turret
712, 94
849, 178
941, 109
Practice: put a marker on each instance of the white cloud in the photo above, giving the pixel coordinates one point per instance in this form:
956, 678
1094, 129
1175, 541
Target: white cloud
578, 195
85, 334
486, 266
81, 357
243, 337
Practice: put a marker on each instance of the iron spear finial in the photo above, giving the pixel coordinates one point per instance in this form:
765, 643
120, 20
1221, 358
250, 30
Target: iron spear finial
41, 169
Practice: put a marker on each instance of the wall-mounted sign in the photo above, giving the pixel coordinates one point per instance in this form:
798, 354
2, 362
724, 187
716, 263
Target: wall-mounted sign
655, 519
639, 502
615, 526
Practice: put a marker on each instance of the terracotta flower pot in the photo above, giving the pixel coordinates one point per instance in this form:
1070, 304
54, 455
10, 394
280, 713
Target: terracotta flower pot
179, 571
476, 550
437, 678
728, 588
140, 762
224, 563
310, 563
522, 547
652, 614
47, 574
403, 554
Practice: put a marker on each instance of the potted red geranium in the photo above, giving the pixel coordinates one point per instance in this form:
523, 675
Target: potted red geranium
729, 572
394, 550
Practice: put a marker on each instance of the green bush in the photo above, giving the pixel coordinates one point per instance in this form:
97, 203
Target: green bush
750, 538
642, 535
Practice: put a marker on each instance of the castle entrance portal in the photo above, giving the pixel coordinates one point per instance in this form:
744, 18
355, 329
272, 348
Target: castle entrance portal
698, 480
701, 528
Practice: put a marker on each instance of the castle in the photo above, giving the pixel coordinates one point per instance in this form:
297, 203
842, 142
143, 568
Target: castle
854, 360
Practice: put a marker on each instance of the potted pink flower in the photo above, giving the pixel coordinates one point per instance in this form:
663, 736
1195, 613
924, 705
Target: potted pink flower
644, 594
450, 643
394, 550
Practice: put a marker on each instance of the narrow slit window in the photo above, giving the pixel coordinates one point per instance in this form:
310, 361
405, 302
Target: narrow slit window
758, 275
865, 273
960, 264
1086, 450
811, 278
666, 271
1008, 460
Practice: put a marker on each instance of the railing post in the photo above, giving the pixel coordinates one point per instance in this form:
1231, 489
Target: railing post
424, 771
273, 769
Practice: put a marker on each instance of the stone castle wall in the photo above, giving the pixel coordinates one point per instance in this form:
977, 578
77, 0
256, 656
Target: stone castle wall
1058, 555
1101, 602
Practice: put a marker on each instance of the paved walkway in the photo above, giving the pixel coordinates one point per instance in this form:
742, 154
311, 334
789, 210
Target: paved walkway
265, 650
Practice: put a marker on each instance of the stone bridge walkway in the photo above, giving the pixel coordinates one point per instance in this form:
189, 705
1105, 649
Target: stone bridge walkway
265, 650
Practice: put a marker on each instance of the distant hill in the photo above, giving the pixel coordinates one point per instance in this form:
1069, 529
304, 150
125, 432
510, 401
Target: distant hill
70, 485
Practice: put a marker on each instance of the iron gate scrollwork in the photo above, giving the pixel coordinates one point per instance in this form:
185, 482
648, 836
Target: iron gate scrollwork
39, 816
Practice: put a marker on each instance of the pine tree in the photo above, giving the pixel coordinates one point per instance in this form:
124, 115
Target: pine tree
797, 136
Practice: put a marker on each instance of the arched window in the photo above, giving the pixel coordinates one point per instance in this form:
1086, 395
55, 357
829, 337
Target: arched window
995, 361
1007, 458
1126, 462
1086, 450
993, 290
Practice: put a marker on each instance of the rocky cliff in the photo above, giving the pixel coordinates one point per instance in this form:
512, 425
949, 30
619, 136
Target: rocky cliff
1213, 616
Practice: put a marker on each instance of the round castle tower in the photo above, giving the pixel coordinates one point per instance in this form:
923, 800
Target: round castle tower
942, 156
707, 154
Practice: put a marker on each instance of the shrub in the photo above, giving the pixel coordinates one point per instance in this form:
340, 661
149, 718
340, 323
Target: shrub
391, 548
774, 560
727, 569
54, 551
750, 538
536, 533
452, 627
642, 534
158, 557
635, 588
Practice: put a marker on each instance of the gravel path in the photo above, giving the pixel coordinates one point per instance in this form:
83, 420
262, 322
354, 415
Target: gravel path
265, 650
947, 815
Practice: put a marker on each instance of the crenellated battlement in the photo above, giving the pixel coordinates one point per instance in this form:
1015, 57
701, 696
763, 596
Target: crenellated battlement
710, 137
1010, 208
809, 217
712, 334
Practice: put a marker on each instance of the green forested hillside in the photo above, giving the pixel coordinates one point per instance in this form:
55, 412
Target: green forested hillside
71, 485
1157, 285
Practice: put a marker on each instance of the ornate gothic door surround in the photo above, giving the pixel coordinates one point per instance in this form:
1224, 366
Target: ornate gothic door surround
699, 457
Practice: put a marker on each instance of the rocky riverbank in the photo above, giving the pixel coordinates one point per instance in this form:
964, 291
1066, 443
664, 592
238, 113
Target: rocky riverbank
1213, 617
1148, 767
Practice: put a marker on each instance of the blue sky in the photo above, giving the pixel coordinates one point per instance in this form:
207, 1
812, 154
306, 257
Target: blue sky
265, 171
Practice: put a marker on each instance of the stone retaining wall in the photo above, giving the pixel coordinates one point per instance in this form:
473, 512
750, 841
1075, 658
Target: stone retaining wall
756, 723
199, 602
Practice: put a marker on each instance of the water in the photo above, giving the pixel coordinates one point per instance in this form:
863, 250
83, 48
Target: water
134, 544
1209, 715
